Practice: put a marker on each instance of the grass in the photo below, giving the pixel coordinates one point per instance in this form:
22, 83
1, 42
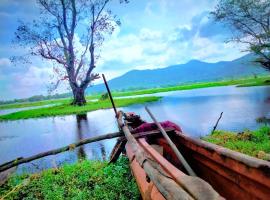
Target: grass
245, 82
32, 104
257, 82
42, 103
67, 109
84, 180
239, 82
254, 143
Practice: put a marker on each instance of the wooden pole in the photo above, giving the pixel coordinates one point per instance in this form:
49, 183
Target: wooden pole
214, 128
174, 148
109, 92
19, 161
164, 183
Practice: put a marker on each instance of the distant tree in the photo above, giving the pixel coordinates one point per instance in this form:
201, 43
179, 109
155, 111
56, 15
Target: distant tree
249, 21
55, 36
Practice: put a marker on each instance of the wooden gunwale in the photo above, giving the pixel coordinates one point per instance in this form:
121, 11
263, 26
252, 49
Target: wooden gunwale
227, 157
233, 174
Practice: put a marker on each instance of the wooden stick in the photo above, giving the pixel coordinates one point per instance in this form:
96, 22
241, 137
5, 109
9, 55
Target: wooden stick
174, 148
120, 145
17, 162
164, 183
109, 92
214, 128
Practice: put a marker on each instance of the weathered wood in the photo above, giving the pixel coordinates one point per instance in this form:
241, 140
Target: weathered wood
214, 128
117, 150
2, 165
165, 184
172, 145
233, 174
120, 145
17, 162
110, 94
196, 187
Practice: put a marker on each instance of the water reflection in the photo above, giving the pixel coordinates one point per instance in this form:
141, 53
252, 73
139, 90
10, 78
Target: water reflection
196, 111
82, 126
99, 152
103, 151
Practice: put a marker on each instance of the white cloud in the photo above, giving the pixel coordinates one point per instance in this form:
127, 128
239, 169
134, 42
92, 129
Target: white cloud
147, 39
4, 62
156, 48
34, 81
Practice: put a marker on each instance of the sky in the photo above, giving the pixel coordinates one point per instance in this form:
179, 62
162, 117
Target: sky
153, 34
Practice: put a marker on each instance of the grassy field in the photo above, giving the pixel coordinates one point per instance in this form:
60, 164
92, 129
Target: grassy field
264, 80
254, 143
240, 82
67, 109
43, 103
84, 180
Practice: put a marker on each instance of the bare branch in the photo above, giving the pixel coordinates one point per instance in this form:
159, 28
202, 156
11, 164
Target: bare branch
52, 37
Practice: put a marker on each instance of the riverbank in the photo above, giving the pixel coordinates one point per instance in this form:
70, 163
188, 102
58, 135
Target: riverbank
83, 180
259, 81
245, 82
67, 109
254, 143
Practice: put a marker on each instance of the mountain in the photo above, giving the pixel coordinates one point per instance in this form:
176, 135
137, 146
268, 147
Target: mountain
192, 71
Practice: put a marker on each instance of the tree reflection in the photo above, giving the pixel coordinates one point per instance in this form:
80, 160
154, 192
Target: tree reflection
82, 125
103, 151
97, 150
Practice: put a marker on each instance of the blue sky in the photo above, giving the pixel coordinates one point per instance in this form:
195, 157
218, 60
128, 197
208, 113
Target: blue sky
153, 34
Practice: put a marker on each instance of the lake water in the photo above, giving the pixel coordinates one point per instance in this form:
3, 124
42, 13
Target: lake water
196, 111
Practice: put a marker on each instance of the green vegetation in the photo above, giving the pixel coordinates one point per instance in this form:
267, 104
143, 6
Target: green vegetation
239, 82
32, 104
258, 81
254, 143
42, 103
84, 180
67, 109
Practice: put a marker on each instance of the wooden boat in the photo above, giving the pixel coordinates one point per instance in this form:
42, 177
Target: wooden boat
231, 174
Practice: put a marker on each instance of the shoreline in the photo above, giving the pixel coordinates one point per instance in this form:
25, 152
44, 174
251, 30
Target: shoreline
67, 109
245, 82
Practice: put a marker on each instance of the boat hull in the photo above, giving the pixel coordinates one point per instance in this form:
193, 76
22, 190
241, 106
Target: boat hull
233, 175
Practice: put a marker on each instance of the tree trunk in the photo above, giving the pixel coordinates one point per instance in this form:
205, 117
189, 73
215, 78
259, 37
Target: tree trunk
78, 97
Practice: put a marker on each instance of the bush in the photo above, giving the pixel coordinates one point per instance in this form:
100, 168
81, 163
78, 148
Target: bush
84, 180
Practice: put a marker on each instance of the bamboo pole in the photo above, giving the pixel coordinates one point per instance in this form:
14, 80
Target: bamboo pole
164, 183
174, 148
110, 94
214, 128
19, 161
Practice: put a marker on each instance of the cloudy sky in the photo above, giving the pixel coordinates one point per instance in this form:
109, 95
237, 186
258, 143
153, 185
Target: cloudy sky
153, 34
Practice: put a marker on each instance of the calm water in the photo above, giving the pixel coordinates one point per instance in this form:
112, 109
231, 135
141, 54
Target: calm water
196, 111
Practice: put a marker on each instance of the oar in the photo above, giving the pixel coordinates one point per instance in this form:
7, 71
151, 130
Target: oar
174, 148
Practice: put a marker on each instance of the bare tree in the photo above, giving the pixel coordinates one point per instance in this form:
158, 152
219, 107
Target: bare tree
249, 21
69, 33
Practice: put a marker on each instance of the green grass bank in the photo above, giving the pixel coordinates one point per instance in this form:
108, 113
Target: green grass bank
245, 82
84, 180
260, 81
67, 109
254, 143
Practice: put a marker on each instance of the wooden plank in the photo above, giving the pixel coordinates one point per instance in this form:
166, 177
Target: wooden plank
120, 145
165, 184
172, 145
